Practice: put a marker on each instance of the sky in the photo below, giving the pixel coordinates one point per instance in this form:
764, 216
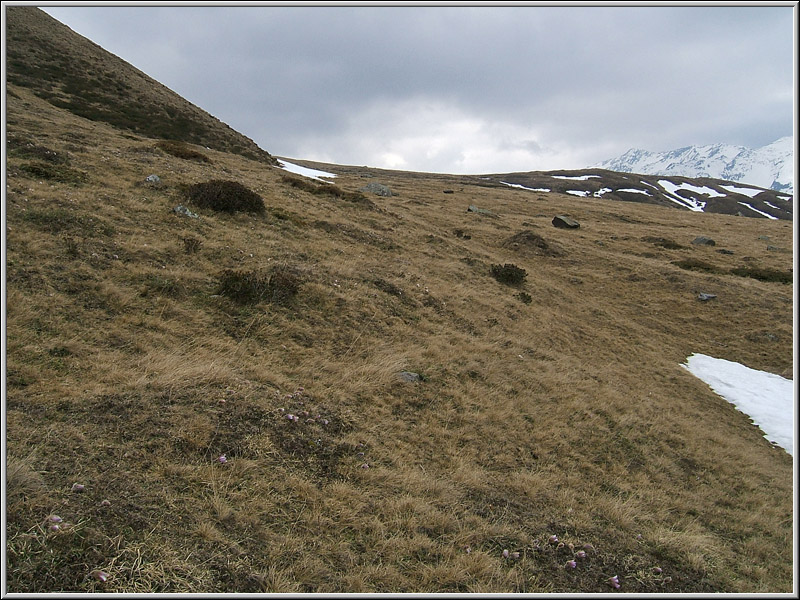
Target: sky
466, 89
766, 398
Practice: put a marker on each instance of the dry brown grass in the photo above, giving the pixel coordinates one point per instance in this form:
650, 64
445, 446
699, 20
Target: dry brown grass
128, 372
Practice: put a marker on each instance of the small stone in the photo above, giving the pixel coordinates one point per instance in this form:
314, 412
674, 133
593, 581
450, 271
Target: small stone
409, 377
702, 240
705, 297
182, 210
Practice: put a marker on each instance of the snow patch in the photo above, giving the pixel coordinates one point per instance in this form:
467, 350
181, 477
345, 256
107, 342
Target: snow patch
766, 398
772, 206
575, 178
634, 191
690, 203
769, 216
522, 187
750, 192
602, 191
582, 193
305, 171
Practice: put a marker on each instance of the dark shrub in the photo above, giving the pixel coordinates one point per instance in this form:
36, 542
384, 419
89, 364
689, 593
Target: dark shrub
693, 264
54, 172
225, 196
181, 150
509, 274
192, 244
764, 274
279, 286
524, 298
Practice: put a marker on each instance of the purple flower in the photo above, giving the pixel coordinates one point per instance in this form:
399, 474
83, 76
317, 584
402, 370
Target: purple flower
588, 547
515, 555
553, 539
571, 564
614, 582
100, 575
324, 421
365, 466
222, 459
657, 570
505, 553
54, 519
580, 554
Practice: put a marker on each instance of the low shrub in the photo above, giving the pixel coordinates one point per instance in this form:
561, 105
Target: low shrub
279, 286
224, 196
509, 274
192, 244
54, 172
181, 150
693, 264
328, 189
764, 274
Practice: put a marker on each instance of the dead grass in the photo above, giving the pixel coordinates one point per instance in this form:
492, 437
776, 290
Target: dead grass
127, 371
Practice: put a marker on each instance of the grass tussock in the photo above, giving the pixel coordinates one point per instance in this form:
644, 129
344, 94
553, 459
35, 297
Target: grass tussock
227, 389
180, 149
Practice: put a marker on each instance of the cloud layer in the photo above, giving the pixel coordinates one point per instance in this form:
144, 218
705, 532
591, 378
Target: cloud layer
467, 89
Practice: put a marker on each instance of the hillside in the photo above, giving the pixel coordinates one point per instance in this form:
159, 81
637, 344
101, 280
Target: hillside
72, 72
771, 166
220, 398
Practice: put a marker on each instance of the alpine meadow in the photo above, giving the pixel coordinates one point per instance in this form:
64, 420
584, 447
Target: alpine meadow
225, 376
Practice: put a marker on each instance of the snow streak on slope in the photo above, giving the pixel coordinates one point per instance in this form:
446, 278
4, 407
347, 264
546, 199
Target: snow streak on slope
770, 166
766, 398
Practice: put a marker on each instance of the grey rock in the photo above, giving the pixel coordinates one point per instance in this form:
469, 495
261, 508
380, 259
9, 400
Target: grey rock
563, 222
702, 240
764, 238
409, 377
724, 251
448, 191
481, 211
182, 210
377, 188
153, 179
706, 297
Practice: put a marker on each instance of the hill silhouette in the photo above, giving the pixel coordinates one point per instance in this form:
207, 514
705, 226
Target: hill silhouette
76, 74
225, 377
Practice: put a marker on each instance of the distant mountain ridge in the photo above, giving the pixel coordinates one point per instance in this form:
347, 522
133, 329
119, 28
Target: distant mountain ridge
771, 166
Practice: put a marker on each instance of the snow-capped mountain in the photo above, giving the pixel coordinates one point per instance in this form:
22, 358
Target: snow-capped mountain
771, 166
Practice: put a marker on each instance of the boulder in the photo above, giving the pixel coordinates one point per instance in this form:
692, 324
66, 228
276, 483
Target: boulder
563, 222
702, 240
377, 188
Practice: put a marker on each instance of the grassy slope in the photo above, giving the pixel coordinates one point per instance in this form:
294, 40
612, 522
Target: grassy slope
567, 416
71, 72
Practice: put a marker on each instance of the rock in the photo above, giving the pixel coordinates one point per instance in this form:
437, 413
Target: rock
706, 297
481, 211
724, 251
409, 377
764, 238
563, 222
153, 179
448, 191
702, 240
377, 188
182, 210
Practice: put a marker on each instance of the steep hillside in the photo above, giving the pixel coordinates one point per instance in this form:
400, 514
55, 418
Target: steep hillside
771, 166
72, 72
225, 377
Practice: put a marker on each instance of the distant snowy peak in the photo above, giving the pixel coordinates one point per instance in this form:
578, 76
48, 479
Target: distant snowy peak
770, 166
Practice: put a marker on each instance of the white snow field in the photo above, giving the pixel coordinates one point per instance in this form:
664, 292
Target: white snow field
766, 398
750, 192
758, 211
305, 171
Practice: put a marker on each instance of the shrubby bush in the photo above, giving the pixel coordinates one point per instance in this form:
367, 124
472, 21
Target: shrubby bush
225, 196
509, 274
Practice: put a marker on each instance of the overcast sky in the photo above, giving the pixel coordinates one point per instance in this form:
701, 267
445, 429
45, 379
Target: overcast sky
467, 89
